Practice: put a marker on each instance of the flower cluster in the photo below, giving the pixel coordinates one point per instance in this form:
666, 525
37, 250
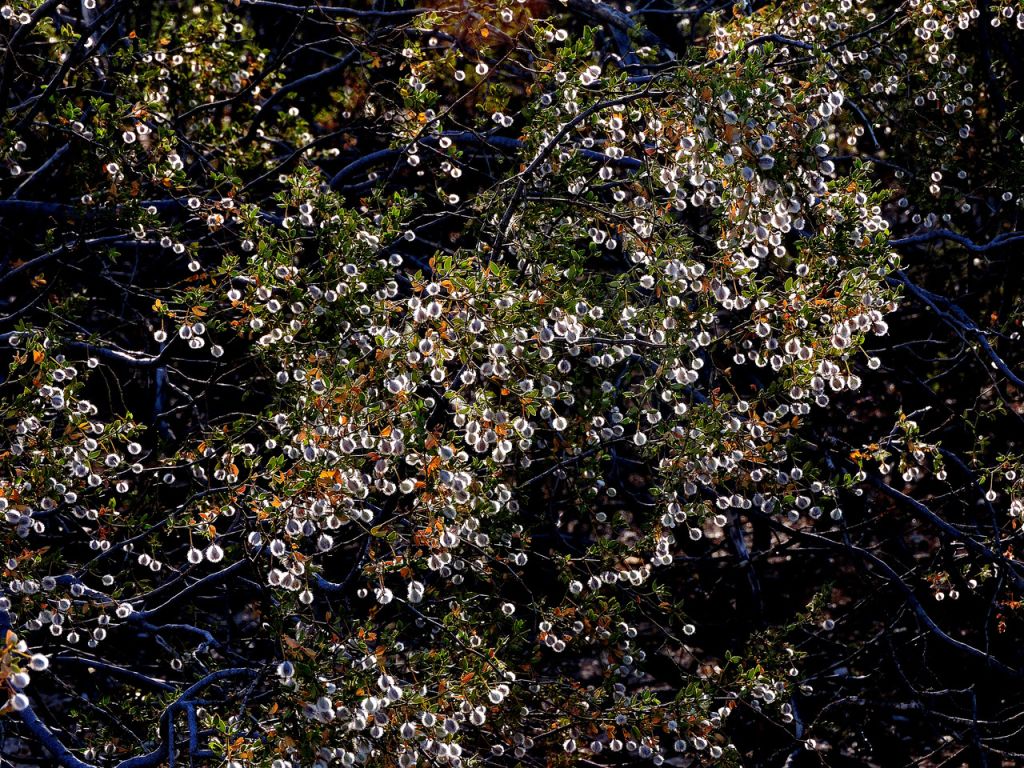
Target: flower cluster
398, 394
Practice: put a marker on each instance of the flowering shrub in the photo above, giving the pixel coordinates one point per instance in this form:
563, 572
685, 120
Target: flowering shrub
425, 383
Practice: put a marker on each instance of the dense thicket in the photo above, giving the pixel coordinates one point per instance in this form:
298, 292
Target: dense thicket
511, 383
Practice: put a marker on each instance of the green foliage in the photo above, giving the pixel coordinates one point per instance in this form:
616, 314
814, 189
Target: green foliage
380, 382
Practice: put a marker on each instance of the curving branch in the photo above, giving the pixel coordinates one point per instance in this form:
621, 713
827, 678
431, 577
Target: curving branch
874, 562
958, 320
163, 752
999, 241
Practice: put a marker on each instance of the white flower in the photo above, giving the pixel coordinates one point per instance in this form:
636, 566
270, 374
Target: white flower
590, 75
415, 592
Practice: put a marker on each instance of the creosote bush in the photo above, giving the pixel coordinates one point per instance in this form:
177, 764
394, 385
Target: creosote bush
510, 383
